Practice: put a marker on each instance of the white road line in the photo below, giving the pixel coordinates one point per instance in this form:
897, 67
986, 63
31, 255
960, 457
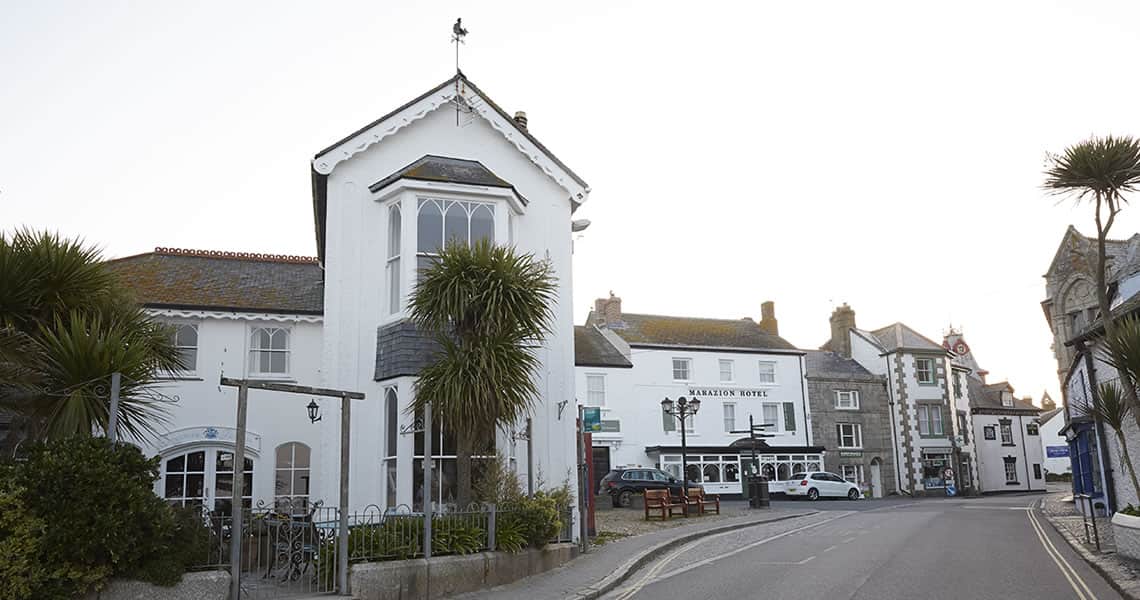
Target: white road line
1062, 564
829, 548
848, 540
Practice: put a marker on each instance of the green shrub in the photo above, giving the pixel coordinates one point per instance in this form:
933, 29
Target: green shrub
510, 534
537, 518
1130, 510
20, 532
99, 517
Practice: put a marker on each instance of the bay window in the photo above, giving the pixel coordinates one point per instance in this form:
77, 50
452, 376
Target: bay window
442, 222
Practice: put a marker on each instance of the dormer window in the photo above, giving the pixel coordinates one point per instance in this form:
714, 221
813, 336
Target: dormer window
1006, 399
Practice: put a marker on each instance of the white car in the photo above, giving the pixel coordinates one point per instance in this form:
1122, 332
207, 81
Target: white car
816, 484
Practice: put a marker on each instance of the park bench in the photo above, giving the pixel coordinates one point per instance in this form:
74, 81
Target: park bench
703, 503
661, 501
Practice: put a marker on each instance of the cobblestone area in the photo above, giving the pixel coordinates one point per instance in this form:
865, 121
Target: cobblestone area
1124, 574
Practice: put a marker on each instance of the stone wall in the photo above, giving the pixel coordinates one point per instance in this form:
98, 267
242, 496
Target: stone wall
206, 585
873, 415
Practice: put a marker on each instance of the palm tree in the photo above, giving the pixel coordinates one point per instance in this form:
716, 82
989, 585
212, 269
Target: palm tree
1100, 171
66, 324
1110, 407
489, 309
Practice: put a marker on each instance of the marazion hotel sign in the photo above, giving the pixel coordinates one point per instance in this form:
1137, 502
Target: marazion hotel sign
727, 393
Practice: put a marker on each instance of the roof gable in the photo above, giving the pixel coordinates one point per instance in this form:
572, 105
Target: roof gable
592, 349
898, 336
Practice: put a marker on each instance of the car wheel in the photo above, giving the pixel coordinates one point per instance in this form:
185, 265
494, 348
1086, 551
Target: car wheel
853, 494
615, 501
625, 499
813, 494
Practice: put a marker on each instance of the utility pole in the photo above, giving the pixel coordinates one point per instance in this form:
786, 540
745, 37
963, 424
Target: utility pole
583, 487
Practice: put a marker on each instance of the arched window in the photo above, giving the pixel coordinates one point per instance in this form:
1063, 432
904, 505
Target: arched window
712, 473
269, 351
185, 341
441, 222
394, 292
293, 476
392, 428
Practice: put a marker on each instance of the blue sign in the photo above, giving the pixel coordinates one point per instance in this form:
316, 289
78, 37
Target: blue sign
951, 490
1057, 451
591, 419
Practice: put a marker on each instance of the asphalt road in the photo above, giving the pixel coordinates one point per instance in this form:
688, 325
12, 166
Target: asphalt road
948, 549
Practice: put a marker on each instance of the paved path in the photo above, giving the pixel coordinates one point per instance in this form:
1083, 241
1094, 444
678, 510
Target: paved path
995, 547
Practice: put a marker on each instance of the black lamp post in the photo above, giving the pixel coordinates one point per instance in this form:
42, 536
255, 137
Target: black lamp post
314, 411
681, 410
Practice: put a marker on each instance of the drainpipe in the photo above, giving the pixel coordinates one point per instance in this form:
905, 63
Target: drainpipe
1025, 453
1098, 426
894, 437
803, 400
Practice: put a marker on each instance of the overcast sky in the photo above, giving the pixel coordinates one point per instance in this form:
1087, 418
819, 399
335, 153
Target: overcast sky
888, 155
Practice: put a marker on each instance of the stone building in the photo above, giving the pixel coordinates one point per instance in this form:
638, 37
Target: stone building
850, 416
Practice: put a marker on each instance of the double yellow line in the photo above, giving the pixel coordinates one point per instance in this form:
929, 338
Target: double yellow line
1083, 591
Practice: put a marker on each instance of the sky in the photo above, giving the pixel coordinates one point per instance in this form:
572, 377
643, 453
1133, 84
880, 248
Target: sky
884, 154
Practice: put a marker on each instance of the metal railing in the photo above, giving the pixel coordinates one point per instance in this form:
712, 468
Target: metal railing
1089, 515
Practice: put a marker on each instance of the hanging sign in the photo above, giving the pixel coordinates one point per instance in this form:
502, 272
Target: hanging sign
1057, 451
591, 419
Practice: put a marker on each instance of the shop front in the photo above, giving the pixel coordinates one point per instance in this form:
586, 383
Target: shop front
935, 462
723, 469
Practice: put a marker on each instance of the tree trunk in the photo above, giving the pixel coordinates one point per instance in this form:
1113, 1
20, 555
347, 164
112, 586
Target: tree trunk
463, 468
1128, 461
1102, 229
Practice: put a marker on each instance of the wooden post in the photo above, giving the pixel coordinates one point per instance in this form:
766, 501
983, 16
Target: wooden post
427, 481
529, 457
239, 479
113, 417
584, 538
342, 528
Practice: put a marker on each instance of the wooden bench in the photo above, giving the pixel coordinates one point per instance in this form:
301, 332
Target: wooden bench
661, 501
703, 503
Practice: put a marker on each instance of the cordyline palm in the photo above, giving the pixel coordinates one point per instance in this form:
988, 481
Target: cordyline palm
1109, 406
489, 309
66, 324
1100, 171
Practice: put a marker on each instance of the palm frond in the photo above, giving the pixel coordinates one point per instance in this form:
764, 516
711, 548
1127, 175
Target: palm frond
1105, 166
1108, 405
1121, 349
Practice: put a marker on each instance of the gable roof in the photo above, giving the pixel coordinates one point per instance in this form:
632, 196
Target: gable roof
1046, 416
692, 332
231, 281
833, 366
592, 349
471, 96
442, 168
987, 396
898, 336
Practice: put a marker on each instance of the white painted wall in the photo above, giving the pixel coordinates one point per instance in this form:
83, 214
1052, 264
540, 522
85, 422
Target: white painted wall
355, 289
273, 418
1026, 450
1051, 436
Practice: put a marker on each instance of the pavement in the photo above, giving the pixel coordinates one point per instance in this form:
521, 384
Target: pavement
896, 548
1096, 546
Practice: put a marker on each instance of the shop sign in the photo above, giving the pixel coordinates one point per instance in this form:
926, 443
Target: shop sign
850, 453
728, 393
1057, 451
611, 426
592, 419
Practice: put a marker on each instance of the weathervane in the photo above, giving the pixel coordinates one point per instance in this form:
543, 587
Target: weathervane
457, 35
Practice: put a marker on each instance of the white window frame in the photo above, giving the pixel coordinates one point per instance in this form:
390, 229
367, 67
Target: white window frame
929, 371
856, 473
1006, 433
778, 425
763, 376
254, 365
930, 415
731, 364
729, 419
688, 368
395, 252
469, 207
851, 402
1010, 467
855, 434
178, 325
592, 398
292, 495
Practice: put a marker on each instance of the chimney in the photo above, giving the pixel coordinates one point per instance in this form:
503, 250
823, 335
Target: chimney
520, 118
842, 322
607, 311
768, 323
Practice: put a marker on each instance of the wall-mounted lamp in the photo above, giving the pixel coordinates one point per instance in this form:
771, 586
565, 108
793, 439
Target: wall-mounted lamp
314, 411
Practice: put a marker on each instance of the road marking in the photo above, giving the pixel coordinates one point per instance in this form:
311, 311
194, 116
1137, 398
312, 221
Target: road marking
997, 507
1062, 564
830, 548
652, 574
848, 540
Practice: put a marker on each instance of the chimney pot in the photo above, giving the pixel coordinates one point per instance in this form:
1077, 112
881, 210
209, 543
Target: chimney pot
607, 311
520, 118
842, 322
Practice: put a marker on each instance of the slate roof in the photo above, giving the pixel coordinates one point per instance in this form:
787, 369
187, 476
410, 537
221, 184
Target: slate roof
1049, 415
592, 349
833, 366
650, 330
988, 396
202, 279
443, 168
1129, 306
897, 335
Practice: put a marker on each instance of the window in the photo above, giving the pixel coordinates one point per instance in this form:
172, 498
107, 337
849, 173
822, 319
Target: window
205, 478
395, 294
988, 432
224, 483
682, 369
771, 414
789, 416
269, 351
1006, 399
850, 435
852, 473
767, 371
1032, 429
595, 390
392, 435
957, 385
930, 420
442, 222
962, 427
291, 491
1010, 470
729, 416
186, 479
185, 342
1006, 434
1036, 471
726, 370
924, 370
847, 400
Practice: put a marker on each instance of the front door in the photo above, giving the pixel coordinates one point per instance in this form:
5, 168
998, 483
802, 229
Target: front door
204, 478
601, 458
876, 479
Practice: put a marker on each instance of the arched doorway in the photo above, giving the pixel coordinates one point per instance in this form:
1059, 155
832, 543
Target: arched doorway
876, 478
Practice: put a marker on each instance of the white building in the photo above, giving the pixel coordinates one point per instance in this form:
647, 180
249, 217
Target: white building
1010, 455
628, 363
1054, 445
448, 165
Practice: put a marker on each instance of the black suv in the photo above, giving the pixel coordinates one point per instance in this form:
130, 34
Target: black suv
622, 484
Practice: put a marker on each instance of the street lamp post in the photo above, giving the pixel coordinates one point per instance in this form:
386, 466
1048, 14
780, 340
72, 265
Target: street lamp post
681, 410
